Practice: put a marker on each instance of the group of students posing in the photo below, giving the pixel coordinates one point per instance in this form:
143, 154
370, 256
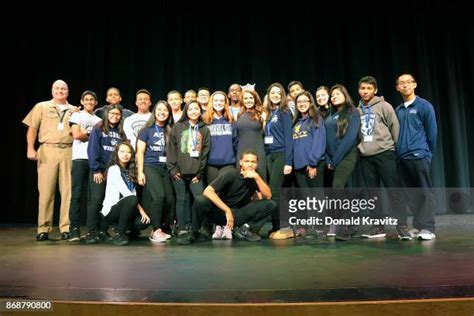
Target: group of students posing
233, 142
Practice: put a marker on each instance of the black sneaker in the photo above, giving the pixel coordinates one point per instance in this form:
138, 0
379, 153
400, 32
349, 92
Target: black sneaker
92, 237
75, 235
174, 230
205, 231
200, 237
343, 233
104, 236
355, 231
120, 239
244, 232
375, 232
185, 237
42, 237
403, 233
65, 235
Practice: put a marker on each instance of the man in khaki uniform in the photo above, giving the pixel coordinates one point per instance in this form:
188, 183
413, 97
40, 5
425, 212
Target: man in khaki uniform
49, 121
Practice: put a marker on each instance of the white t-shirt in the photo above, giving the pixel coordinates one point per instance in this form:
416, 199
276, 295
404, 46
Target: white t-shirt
235, 112
177, 116
133, 124
86, 121
408, 103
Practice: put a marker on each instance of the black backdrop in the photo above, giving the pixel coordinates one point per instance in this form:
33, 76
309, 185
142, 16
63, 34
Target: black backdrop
179, 47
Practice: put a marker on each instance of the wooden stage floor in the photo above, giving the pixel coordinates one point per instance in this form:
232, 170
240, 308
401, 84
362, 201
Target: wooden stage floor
287, 271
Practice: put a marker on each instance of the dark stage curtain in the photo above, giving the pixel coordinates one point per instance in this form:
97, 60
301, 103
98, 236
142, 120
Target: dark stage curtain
180, 48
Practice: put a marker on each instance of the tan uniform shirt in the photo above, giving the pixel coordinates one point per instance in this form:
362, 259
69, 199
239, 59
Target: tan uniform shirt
51, 123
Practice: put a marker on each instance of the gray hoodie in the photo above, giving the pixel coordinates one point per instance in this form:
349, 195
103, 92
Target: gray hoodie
379, 127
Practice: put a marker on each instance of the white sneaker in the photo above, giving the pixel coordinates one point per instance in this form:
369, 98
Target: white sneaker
167, 236
227, 233
426, 235
414, 232
158, 236
218, 232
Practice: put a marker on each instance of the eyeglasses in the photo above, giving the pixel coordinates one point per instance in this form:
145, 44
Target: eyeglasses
401, 83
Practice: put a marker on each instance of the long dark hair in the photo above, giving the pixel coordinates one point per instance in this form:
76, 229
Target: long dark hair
152, 120
345, 112
104, 124
283, 106
313, 110
131, 168
184, 117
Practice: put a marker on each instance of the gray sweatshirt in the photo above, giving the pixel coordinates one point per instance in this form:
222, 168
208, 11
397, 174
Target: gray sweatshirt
379, 127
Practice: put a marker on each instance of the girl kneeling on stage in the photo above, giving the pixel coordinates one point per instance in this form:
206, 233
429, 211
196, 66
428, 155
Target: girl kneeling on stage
121, 203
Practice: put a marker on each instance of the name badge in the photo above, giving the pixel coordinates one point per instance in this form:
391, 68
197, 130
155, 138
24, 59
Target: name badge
194, 153
268, 139
162, 159
368, 138
61, 126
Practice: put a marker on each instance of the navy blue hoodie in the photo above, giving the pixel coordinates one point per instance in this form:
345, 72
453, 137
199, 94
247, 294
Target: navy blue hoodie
223, 141
280, 127
309, 143
337, 148
101, 146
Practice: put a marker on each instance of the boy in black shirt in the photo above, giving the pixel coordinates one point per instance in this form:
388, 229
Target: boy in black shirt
237, 198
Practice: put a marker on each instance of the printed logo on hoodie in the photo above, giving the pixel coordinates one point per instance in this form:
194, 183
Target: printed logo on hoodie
367, 123
186, 144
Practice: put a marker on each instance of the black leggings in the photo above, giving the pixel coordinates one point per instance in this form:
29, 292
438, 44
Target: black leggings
275, 164
122, 213
158, 191
94, 205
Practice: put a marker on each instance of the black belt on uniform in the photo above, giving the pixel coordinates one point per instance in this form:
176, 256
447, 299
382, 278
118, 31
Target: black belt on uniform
58, 145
